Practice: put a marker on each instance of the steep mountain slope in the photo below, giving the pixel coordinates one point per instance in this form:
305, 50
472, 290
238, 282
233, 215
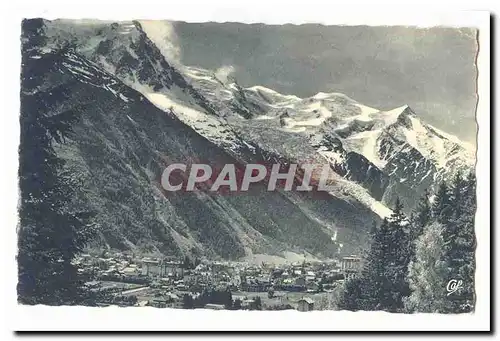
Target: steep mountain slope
201, 100
124, 51
371, 147
389, 153
141, 113
122, 143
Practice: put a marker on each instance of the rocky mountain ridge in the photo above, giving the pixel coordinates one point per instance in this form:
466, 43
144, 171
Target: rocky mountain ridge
142, 112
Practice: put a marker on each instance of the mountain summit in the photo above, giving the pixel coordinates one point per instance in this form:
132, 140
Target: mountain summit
143, 111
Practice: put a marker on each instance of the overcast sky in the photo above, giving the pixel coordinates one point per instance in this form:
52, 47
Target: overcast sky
432, 70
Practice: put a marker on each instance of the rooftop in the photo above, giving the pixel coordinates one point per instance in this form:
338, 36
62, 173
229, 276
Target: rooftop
308, 300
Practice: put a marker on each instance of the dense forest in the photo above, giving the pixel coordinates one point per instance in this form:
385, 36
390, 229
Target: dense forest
51, 232
412, 259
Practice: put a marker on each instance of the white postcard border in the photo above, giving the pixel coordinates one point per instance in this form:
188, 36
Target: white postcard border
278, 12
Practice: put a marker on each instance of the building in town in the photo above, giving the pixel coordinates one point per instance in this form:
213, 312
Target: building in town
215, 306
151, 267
158, 268
305, 304
350, 266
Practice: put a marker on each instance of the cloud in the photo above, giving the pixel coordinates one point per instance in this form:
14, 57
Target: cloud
224, 72
162, 34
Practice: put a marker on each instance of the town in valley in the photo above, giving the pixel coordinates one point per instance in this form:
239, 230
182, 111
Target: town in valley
121, 279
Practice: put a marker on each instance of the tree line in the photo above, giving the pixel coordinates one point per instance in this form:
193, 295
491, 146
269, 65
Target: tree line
412, 259
51, 232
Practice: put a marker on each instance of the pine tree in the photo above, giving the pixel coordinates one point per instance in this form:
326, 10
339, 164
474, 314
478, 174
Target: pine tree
257, 305
365, 292
462, 251
440, 243
237, 304
429, 273
187, 301
422, 216
373, 276
397, 258
228, 300
457, 193
441, 206
418, 220
351, 297
50, 232
382, 284
446, 252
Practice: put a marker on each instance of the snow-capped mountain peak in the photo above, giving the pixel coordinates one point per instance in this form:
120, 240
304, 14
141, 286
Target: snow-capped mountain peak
397, 141
143, 109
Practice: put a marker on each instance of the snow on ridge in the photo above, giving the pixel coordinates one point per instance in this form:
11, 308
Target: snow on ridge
264, 117
263, 88
397, 111
309, 113
362, 195
90, 73
196, 74
434, 144
368, 146
391, 116
469, 148
164, 103
321, 95
365, 110
206, 125
431, 142
274, 93
331, 156
330, 95
324, 114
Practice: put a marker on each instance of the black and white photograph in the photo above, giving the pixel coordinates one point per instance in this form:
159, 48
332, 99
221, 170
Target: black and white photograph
168, 165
